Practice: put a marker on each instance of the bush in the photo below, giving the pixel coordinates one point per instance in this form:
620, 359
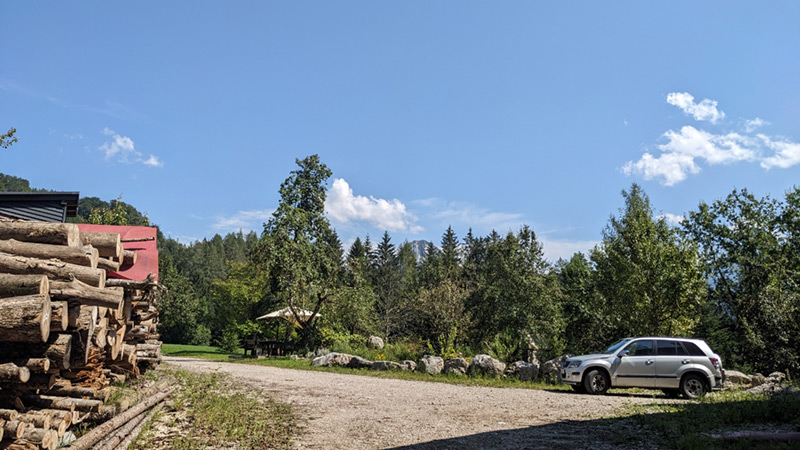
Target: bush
229, 341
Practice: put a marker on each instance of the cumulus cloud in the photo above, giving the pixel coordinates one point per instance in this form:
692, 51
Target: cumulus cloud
243, 220
679, 155
343, 206
122, 149
786, 153
559, 249
672, 219
754, 124
705, 110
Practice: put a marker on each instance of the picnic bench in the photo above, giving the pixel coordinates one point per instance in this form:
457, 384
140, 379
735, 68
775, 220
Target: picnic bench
261, 347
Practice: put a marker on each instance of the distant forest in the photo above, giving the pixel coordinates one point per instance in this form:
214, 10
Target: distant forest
729, 273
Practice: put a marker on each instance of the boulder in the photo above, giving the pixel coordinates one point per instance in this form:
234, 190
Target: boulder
432, 365
486, 365
523, 370
409, 365
776, 377
551, 370
333, 359
357, 362
734, 378
374, 342
757, 379
457, 366
386, 365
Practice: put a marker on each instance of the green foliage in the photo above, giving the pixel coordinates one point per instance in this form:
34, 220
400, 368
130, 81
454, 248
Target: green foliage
181, 311
229, 341
8, 138
10, 183
648, 275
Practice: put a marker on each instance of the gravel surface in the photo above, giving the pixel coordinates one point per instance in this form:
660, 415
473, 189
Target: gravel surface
341, 411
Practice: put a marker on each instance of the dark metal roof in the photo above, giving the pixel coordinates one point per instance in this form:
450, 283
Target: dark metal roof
41, 206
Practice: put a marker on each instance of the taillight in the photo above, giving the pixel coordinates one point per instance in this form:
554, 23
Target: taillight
715, 363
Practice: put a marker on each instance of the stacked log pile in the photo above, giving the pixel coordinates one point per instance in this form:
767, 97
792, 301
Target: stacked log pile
66, 329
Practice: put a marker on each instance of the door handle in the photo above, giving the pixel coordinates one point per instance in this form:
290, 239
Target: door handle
648, 362
685, 361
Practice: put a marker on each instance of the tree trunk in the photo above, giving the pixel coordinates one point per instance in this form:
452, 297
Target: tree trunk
129, 258
14, 429
108, 245
77, 291
25, 319
59, 316
46, 438
72, 404
36, 365
83, 256
108, 265
132, 284
53, 269
16, 285
41, 232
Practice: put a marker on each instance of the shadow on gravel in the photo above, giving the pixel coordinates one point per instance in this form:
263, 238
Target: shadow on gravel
573, 434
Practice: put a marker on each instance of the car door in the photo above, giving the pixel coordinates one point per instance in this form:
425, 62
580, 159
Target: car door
670, 358
637, 366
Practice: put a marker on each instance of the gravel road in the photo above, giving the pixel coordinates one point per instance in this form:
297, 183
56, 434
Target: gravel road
360, 412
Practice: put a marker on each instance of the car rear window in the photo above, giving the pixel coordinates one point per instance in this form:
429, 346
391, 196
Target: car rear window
692, 349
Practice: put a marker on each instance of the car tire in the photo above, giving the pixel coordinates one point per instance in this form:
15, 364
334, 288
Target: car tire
596, 382
693, 386
578, 388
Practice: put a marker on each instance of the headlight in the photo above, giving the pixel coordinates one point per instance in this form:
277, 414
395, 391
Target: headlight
573, 364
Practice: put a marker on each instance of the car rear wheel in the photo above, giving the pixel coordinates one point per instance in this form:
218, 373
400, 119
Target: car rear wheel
596, 382
693, 386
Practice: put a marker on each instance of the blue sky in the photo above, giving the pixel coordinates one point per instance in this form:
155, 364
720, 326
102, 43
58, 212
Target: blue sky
472, 114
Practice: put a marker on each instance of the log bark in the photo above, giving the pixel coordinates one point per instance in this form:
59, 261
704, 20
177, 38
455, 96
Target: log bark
108, 265
129, 257
83, 256
132, 284
55, 270
36, 365
79, 392
108, 245
59, 352
41, 232
16, 285
59, 316
45, 438
12, 373
72, 404
8, 414
85, 294
25, 318
36, 420
14, 429
86, 441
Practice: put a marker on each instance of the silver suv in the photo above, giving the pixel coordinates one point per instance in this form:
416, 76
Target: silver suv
674, 365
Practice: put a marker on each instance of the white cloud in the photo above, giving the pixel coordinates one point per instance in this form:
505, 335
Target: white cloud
122, 149
465, 215
556, 249
243, 220
390, 215
787, 153
705, 110
672, 219
754, 124
683, 148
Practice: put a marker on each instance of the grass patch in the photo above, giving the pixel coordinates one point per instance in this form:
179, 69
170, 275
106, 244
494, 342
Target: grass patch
209, 412
689, 424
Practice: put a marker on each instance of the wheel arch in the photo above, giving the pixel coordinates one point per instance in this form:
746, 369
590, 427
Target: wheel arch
597, 367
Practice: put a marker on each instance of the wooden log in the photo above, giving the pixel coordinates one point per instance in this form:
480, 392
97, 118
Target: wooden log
77, 291
55, 270
14, 429
89, 439
45, 438
128, 257
19, 444
8, 414
79, 392
41, 232
25, 318
132, 284
41, 381
59, 351
84, 255
12, 373
59, 316
36, 365
108, 245
36, 420
100, 333
54, 402
108, 265
16, 285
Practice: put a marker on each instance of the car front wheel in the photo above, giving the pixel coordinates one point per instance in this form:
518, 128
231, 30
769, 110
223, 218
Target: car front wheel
596, 382
693, 386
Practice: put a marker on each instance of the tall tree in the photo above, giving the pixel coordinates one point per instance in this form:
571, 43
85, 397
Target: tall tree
297, 247
648, 274
386, 279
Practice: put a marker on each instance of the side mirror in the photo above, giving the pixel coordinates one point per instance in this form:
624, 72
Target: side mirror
624, 353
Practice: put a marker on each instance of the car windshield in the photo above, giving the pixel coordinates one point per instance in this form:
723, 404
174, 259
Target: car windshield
616, 346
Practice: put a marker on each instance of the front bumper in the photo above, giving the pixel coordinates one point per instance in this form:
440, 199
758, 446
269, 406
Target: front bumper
571, 376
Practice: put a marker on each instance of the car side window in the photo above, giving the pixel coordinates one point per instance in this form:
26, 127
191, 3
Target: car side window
679, 350
641, 348
693, 349
667, 348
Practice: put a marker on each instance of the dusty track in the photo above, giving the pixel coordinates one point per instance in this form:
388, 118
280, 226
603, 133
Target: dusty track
360, 412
